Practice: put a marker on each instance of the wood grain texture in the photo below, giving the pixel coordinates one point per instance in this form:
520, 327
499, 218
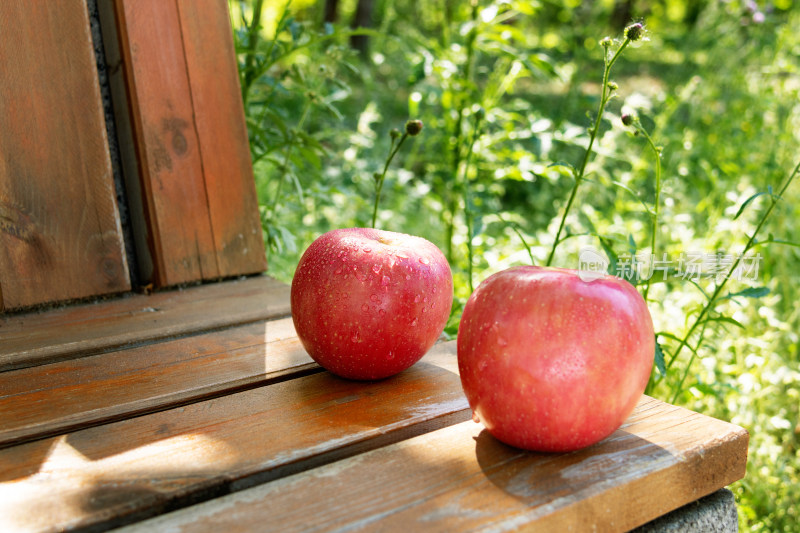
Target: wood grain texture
462, 479
45, 337
52, 399
176, 202
222, 134
193, 159
60, 235
120, 472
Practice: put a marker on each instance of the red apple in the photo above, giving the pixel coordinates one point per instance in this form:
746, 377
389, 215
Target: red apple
368, 303
550, 362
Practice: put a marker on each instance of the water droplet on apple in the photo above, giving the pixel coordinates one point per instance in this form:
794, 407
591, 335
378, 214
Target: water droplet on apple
367, 250
376, 268
338, 271
385, 280
390, 355
482, 365
425, 299
414, 322
346, 276
364, 307
476, 418
381, 312
355, 337
374, 298
416, 299
424, 261
408, 276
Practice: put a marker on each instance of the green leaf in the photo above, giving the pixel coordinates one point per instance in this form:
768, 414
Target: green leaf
559, 165
747, 202
631, 245
725, 319
750, 292
659, 360
612, 256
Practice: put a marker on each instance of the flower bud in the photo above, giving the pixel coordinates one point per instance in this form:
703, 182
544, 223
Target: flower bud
612, 86
376, 176
627, 119
395, 133
606, 42
634, 32
413, 127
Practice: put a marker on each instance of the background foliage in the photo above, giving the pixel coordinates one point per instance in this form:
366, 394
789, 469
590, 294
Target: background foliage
507, 90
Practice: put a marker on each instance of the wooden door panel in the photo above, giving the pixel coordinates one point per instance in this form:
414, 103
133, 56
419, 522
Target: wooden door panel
60, 235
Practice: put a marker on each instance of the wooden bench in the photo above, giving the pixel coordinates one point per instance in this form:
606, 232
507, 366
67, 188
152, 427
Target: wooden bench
127, 434
196, 408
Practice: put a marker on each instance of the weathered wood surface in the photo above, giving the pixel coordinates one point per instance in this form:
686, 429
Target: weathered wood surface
51, 399
222, 135
460, 478
37, 338
60, 235
124, 471
198, 192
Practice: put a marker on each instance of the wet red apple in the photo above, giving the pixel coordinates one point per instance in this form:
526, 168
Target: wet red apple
369, 303
550, 362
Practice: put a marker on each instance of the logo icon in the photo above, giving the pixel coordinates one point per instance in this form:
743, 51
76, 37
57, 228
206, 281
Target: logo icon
592, 264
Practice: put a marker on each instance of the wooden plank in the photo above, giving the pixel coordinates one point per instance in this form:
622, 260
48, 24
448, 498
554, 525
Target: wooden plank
222, 134
198, 191
60, 235
113, 474
37, 338
176, 201
462, 479
52, 399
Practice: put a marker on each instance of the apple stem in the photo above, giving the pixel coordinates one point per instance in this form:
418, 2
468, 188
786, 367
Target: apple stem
605, 97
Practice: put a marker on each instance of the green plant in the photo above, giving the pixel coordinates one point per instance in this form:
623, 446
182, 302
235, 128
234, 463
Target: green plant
412, 129
634, 32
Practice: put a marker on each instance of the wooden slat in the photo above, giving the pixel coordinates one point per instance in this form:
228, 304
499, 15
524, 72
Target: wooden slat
222, 134
462, 479
37, 338
52, 399
120, 472
60, 235
176, 201
198, 192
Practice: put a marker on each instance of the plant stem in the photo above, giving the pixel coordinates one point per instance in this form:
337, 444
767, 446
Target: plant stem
452, 204
718, 290
654, 213
252, 44
379, 182
467, 201
287, 155
595, 130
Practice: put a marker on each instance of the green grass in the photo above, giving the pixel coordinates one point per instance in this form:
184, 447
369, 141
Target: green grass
507, 92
